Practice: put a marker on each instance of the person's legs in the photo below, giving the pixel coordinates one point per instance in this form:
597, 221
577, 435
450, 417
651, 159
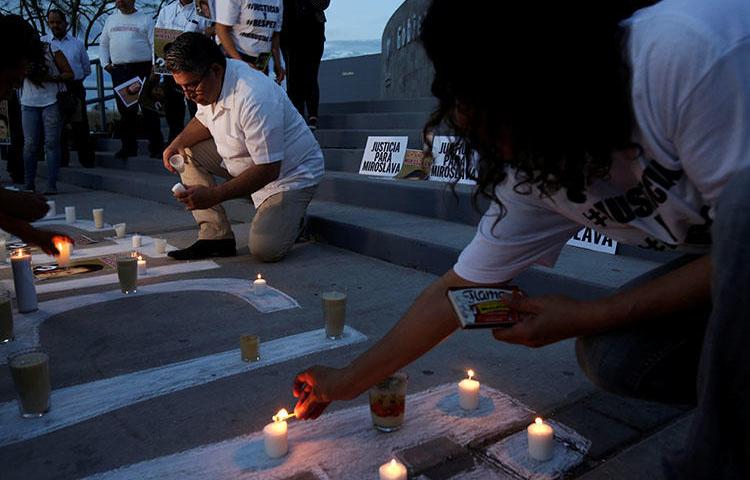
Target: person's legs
52, 122
128, 115
294, 74
31, 118
718, 445
315, 53
151, 119
80, 127
201, 164
15, 151
174, 107
656, 360
277, 224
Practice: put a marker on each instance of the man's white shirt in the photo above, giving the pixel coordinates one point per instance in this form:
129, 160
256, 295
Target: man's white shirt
74, 51
184, 18
253, 123
127, 39
253, 23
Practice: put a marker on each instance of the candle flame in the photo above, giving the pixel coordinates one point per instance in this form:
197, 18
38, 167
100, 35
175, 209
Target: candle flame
259, 277
393, 463
140, 258
538, 421
282, 415
471, 373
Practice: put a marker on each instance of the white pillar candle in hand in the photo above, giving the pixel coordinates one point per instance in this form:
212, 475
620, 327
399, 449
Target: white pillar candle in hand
23, 280
120, 230
392, 470
178, 163
142, 266
275, 436
178, 188
541, 438
260, 286
468, 392
98, 214
65, 249
70, 214
52, 209
160, 245
136, 241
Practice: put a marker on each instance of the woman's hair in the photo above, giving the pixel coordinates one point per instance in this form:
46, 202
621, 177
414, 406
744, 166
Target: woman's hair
540, 87
20, 42
38, 70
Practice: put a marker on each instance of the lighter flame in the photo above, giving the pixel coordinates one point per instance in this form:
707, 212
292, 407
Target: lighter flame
281, 416
471, 373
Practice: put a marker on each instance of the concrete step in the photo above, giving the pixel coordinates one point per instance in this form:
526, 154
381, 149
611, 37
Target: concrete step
343, 159
426, 104
346, 138
141, 163
394, 120
114, 144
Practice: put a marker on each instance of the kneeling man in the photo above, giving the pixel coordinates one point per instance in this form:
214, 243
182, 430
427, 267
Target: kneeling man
249, 133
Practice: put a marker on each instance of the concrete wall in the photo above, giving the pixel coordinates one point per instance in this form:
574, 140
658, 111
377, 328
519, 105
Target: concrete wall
407, 73
350, 79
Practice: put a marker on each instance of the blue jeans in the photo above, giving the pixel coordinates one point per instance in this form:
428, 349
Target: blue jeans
37, 121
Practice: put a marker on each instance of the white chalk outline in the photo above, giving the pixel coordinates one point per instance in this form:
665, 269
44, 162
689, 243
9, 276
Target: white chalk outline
87, 225
26, 325
75, 404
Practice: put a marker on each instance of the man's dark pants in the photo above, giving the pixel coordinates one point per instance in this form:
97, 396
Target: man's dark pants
174, 107
129, 115
302, 46
79, 125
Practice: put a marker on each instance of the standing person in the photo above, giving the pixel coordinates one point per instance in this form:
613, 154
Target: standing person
126, 50
179, 15
40, 115
646, 138
15, 149
75, 52
247, 132
250, 31
302, 42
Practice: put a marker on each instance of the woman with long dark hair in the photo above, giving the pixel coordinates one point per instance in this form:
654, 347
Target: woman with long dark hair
633, 123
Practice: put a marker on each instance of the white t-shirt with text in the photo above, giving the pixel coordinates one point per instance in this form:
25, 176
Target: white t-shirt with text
253, 23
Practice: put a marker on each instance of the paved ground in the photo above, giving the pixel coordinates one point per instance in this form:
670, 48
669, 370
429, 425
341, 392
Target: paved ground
128, 335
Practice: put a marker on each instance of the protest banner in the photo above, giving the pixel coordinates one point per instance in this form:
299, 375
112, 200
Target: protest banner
450, 164
592, 240
383, 156
163, 39
416, 165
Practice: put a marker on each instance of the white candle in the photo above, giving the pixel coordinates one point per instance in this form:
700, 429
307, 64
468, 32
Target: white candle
136, 241
160, 245
468, 392
275, 436
23, 280
70, 214
52, 208
65, 249
392, 470
260, 285
142, 266
178, 188
98, 214
541, 438
120, 230
177, 162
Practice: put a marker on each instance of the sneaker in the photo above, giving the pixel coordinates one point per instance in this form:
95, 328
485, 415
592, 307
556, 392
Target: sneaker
206, 249
312, 122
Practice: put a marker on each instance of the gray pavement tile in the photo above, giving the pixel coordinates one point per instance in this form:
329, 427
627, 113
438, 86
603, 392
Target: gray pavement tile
642, 415
606, 434
426, 457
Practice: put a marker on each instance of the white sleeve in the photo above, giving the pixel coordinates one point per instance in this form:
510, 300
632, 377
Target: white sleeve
281, 16
104, 57
263, 123
202, 115
228, 12
528, 234
161, 18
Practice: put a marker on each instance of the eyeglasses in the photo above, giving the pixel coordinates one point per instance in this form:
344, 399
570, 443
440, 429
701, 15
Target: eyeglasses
192, 87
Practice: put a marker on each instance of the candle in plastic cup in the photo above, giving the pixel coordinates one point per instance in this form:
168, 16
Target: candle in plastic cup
30, 372
334, 312
120, 230
177, 162
70, 215
98, 214
52, 208
127, 273
160, 245
388, 403
249, 348
6, 317
64, 249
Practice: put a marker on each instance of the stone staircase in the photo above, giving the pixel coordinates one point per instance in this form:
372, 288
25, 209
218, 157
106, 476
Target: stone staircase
422, 225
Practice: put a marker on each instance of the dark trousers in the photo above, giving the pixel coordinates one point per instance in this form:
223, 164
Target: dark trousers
174, 107
15, 149
302, 47
79, 130
129, 115
699, 357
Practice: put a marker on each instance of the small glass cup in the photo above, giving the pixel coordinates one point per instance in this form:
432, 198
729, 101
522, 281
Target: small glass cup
127, 273
6, 317
160, 245
334, 312
30, 372
250, 348
120, 230
388, 402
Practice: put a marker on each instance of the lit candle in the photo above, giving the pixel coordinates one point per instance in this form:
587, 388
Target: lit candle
541, 440
65, 248
392, 470
468, 392
98, 214
70, 214
142, 266
23, 280
275, 435
260, 285
136, 241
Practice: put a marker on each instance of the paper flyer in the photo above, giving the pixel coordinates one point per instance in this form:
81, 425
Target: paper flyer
129, 91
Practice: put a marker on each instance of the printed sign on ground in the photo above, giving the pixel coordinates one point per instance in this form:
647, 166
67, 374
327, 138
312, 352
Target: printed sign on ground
416, 166
450, 163
593, 240
384, 156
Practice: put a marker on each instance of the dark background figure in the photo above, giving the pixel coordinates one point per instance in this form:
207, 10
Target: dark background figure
13, 153
302, 42
75, 52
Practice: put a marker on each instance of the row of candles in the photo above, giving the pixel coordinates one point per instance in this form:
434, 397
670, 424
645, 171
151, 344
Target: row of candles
540, 435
